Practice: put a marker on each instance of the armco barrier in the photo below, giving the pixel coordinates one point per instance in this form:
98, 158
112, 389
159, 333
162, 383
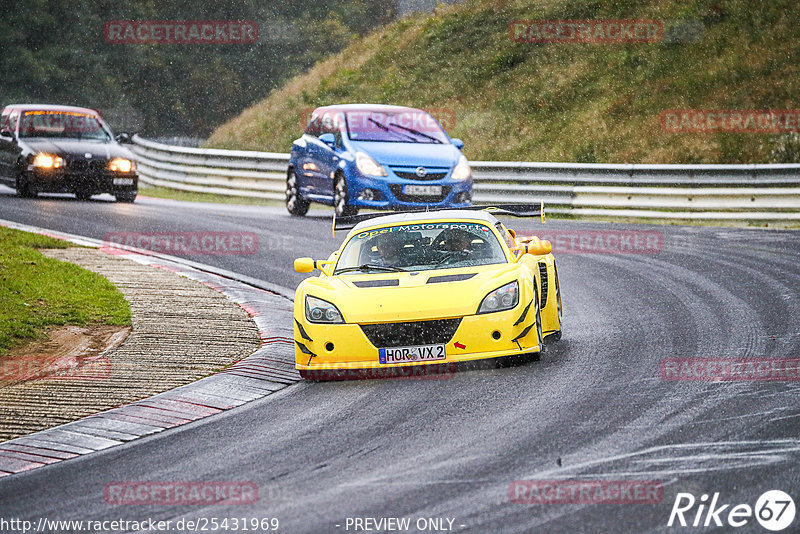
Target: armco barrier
769, 192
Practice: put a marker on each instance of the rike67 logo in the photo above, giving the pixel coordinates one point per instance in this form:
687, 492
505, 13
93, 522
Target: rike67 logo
774, 510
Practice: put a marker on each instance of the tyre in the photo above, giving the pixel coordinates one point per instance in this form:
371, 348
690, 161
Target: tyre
295, 204
341, 202
24, 190
127, 196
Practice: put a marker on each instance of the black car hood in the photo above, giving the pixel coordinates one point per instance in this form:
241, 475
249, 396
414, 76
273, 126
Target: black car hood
77, 148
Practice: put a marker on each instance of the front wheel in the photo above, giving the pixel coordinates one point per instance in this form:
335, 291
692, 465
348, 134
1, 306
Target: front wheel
128, 196
341, 201
295, 204
24, 190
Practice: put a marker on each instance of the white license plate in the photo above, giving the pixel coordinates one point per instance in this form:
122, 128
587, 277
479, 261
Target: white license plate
123, 181
417, 353
422, 190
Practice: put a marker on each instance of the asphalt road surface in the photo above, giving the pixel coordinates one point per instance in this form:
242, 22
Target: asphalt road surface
597, 407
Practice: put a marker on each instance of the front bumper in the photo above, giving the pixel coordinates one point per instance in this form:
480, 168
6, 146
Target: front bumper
390, 189
60, 181
345, 346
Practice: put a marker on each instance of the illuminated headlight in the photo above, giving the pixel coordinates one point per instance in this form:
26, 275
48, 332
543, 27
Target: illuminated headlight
322, 311
462, 171
369, 166
502, 298
47, 161
121, 165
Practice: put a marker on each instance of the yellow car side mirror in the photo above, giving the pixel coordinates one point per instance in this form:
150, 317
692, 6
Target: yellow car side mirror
304, 265
535, 246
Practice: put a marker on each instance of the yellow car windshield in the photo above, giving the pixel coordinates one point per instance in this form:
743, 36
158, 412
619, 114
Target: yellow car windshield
421, 246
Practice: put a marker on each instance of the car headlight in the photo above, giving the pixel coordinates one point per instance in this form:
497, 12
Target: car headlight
369, 166
47, 161
322, 311
501, 299
121, 165
462, 170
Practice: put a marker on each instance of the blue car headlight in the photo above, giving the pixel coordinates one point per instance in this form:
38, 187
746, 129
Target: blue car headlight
367, 165
501, 299
322, 311
462, 170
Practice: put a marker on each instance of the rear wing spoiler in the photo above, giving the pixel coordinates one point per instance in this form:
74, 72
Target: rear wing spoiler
534, 209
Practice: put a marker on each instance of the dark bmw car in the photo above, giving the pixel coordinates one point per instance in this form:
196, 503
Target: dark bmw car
63, 149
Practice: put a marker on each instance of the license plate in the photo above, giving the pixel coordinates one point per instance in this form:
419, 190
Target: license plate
416, 353
123, 181
423, 190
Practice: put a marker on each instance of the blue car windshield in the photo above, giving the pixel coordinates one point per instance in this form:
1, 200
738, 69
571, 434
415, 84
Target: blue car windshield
62, 124
420, 247
404, 127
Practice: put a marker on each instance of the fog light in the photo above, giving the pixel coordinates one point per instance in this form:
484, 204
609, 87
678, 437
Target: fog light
329, 346
496, 334
367, 194
463, 198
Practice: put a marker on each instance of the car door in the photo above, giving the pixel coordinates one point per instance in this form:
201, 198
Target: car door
9, 148
328, 158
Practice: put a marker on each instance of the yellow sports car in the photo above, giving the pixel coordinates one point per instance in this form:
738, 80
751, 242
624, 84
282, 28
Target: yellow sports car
426, 288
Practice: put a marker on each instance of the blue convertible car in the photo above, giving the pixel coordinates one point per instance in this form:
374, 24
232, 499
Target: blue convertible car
376, 156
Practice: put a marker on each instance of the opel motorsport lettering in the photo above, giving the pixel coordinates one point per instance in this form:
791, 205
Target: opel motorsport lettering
417, 289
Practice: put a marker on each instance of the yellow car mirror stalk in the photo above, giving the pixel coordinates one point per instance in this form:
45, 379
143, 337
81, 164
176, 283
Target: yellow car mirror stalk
306, 265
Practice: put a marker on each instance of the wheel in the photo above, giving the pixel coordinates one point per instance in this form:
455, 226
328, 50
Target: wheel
341, 203
127, 196
23, 188
555, 336
294, 202
83, 195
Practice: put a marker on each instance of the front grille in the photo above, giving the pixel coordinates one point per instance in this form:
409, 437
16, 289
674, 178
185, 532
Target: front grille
411, 333
86, 165
543, 272
397, 190
428, 177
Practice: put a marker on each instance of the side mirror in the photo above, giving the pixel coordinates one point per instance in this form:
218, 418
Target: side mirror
329, 139
458, 143
304, 265
535, 246
123, 138
7, 134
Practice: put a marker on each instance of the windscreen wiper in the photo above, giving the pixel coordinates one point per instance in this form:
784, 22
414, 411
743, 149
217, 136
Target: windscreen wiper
370, 267
416, 132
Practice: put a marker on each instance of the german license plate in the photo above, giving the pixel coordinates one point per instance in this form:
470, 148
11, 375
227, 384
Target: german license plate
123, 181
422, 190
416, 353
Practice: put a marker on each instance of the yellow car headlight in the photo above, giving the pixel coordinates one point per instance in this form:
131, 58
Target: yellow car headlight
501, 299
121, 165
462, 170
322, 311
47, 161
